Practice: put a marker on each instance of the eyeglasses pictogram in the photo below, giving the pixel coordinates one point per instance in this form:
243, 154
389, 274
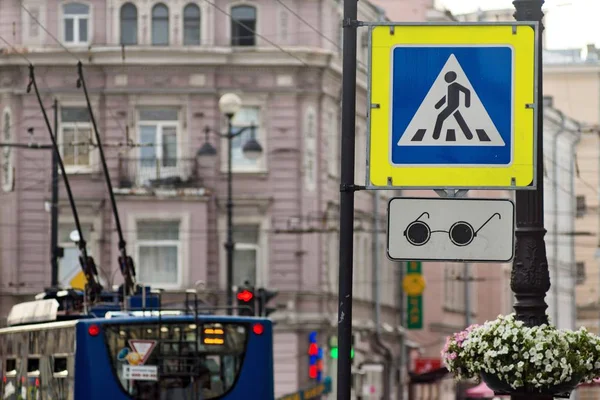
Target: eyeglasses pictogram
461, 233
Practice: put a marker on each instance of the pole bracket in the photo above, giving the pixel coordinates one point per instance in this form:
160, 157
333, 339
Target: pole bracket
344, 187
352, 23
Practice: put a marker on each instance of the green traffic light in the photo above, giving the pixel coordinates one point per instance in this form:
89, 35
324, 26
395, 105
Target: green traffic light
333, 353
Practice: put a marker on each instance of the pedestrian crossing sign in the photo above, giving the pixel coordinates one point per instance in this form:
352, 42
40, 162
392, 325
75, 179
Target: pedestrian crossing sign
453, 106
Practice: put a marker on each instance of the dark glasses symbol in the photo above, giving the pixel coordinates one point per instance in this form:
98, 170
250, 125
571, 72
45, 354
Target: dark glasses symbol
461, 233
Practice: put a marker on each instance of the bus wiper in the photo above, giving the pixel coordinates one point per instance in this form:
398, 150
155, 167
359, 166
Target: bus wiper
125, 262
93, 286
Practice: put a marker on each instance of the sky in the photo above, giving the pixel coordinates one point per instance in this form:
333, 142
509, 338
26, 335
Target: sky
570, 23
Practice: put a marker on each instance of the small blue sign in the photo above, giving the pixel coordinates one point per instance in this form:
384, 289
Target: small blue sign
452, 106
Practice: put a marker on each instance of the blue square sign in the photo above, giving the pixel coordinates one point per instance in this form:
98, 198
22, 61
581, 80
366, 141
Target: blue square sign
452, 105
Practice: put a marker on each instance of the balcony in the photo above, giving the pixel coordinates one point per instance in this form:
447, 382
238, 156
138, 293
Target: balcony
156, 173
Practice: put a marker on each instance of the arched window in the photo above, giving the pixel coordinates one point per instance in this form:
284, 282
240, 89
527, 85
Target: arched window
191, 24
76, 23
160, 25
128, 24
243, 26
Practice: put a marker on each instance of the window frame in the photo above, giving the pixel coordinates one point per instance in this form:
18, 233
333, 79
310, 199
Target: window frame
183, 247
8, 153
74, 168
241, 246
90, 25
151, 30
200, 23
257, 32
120, 24
160, 125
93, 241
262, 265
333, 130
260, 135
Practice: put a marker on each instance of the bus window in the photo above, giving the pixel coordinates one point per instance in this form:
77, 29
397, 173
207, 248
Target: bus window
33, 366
193, 362
11, 367
9, 389
60, 367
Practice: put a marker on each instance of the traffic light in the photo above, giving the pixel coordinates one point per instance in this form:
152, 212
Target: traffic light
264, 296
246, 301
333, 348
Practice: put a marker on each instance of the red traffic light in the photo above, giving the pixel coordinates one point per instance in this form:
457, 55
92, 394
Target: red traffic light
245, 295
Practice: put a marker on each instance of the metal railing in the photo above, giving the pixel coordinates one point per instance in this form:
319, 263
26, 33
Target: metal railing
158, 173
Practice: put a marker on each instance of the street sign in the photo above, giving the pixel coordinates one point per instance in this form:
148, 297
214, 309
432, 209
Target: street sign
413, 284
424, 365
450, 229
452, 106
414, 302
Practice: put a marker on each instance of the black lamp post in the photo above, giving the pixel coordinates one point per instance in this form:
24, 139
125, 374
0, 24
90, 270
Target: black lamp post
530, 279
229, 104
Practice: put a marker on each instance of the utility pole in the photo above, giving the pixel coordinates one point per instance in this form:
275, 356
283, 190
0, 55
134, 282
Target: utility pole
467, 277
54, 250
403, 350
347, 188
530, 278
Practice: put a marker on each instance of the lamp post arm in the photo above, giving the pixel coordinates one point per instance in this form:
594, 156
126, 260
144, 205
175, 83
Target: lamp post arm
230, 135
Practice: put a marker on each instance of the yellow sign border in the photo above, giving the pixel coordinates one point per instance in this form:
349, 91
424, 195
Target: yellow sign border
523, 37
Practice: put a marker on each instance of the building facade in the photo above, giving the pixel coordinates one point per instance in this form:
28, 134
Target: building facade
571, 77
155, 72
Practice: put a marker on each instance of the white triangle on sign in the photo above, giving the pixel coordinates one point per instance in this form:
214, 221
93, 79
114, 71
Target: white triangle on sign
143, 348
480, 129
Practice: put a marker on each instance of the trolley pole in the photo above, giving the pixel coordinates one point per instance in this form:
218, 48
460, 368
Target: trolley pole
347, 188
54, 210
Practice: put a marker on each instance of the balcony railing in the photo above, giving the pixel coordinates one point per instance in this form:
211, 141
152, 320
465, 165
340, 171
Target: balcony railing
158, 173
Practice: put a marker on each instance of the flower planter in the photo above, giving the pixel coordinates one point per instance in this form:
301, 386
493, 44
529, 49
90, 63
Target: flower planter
500, 387
526, 357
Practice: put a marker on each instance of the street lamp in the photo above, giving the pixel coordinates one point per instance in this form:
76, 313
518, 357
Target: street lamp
230, 104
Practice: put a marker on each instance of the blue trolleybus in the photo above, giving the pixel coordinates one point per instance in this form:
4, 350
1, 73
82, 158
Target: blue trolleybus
147, 354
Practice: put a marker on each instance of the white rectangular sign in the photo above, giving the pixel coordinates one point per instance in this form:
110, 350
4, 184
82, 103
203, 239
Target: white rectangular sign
451, 229
140, 372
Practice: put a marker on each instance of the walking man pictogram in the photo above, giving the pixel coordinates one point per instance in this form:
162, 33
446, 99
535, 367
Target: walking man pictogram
453, 103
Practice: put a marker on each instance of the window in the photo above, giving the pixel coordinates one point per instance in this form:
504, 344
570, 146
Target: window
246, 254
333, 143
160, 25
360, 168
242, 119
191, 25
310, 150
8, 173
333, 261
454, 292
158, 251
76, 134
191, 354
580, 273
243, 26
129, 24
76, 23
69, 268
367, 270
283, 26
158, 130
33, 25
